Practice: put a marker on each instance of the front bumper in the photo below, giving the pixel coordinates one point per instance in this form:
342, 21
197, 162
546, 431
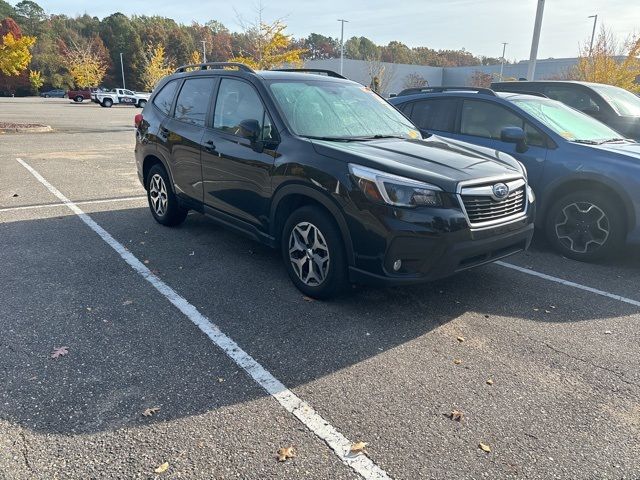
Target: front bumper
432, 250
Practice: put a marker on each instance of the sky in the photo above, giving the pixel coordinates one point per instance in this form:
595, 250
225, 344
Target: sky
479, 26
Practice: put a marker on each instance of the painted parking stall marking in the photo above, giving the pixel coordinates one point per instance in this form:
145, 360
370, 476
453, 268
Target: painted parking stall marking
568, 283
285, 397
84, 202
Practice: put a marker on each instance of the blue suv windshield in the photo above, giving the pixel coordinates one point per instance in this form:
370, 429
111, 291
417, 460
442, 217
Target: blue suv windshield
565, 121
337, 110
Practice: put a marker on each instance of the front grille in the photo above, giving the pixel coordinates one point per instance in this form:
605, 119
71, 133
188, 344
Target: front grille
482, 209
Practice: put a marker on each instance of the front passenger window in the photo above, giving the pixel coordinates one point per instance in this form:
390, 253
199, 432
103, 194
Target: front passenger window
237, 103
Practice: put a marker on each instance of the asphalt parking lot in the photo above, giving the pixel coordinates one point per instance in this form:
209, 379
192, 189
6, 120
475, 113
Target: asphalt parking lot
545, 372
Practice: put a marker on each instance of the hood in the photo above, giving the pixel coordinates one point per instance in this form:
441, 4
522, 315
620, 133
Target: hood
441, 162
627, 149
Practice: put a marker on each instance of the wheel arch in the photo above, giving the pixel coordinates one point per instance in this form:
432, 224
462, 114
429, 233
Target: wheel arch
290, 197
606, 186
149, 161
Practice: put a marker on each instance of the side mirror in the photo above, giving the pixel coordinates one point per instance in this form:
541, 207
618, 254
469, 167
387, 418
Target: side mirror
515, 135
250, 129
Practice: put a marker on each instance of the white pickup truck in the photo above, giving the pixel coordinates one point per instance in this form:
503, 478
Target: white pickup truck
122, 95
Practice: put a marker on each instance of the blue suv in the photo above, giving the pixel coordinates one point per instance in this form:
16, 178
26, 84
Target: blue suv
585, 175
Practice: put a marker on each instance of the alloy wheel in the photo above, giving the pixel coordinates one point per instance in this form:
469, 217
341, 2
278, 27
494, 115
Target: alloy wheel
309, 254
582, 226
158, 195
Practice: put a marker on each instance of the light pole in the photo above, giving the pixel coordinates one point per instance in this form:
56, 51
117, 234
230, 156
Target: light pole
535, 41
593, 33
504, 48
122, 69
204, 51
342, 21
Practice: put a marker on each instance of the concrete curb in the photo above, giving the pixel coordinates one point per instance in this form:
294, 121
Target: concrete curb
38, 129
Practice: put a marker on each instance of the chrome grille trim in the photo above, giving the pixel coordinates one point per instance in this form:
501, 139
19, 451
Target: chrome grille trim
482, 211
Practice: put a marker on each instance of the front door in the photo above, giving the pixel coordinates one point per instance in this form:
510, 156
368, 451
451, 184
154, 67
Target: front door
481, 123
238, 153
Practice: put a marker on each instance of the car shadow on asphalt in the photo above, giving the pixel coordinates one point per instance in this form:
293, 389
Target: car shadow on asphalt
131, 350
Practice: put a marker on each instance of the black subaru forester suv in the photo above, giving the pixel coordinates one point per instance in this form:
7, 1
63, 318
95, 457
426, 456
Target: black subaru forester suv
328, 172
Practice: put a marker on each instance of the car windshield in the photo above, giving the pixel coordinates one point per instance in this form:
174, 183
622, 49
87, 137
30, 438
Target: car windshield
338, 110
565, 121
622, 101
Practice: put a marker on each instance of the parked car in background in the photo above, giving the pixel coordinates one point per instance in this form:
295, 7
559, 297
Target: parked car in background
79, 96
122, 96
585, 175
55, 93
329, 173
614, 106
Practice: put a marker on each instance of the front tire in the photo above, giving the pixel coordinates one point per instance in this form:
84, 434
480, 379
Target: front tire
79, 99
313, 253
585, 226
162, 201
107, 102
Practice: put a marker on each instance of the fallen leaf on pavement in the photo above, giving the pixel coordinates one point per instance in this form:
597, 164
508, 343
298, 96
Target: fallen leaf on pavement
307, 299
127, 302
456, 415
149, 412
192, 254
146, 262
358, 447
285, 453
162, 468
59, 352
15, 195
489, 382
607, 332
460, 339
457, 361
484, 448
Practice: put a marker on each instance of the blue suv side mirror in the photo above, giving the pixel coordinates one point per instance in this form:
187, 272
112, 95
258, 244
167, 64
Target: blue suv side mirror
515, 135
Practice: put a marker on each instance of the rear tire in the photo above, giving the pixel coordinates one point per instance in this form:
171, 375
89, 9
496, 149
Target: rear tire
313, 253
142, 103
162, 201
79, 99
585, 226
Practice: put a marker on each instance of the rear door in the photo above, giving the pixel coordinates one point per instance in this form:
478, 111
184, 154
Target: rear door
182, 133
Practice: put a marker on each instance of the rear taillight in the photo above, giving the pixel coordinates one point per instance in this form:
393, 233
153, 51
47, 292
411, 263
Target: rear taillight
138, 120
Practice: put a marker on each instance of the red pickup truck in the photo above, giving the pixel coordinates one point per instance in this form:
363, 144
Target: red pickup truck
79, 96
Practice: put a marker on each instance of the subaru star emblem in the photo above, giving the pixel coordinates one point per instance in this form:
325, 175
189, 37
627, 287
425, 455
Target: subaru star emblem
500, 191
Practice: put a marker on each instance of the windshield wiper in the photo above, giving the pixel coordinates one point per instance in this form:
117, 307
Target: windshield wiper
586, 142
331, 139
613, 140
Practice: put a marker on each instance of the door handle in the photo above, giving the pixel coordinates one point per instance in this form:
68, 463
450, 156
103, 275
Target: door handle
209, 146
164, 131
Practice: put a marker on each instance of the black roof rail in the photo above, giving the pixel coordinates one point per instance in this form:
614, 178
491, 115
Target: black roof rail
214, 66
328, 73
411, 91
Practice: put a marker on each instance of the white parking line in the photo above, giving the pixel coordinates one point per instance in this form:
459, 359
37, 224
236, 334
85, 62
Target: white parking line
569, 284
85, 202
289, 400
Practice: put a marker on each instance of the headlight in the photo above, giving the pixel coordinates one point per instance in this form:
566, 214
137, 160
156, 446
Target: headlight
524, 170
394, 190
530, 194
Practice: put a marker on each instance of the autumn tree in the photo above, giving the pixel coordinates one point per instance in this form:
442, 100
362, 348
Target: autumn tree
195, 58
269, 47
156, 67
86, 61
15, 48
481, 79
610, 61
36, 81
415, 80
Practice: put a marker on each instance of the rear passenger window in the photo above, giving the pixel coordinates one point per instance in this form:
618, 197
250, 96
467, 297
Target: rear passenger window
164, 98
193, 100
438, 114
